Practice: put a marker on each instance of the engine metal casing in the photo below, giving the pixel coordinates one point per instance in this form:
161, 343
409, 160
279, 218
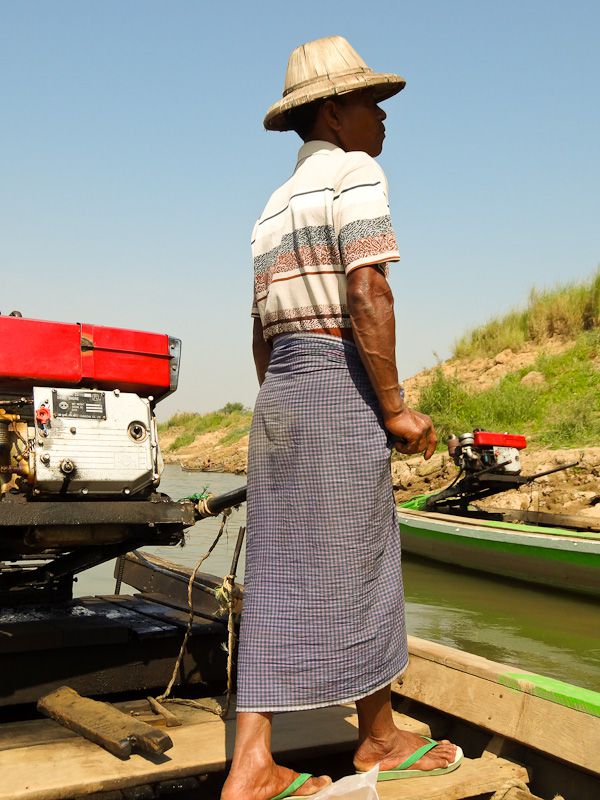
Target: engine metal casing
509, 458
92, 443
43, 353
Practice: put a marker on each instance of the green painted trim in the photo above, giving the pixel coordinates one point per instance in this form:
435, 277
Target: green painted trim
526, 528
565, 694
577, 558
417, 503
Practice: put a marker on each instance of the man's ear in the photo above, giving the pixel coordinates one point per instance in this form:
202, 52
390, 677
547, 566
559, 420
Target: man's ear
330, 111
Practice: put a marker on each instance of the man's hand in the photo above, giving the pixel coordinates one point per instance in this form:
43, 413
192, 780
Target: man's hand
412, 432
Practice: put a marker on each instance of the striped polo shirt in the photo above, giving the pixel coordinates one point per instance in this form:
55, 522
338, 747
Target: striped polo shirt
331, 217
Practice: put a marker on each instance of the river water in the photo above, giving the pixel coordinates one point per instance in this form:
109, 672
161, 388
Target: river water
551, 633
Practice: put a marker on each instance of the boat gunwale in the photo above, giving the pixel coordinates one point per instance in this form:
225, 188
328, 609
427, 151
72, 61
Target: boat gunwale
465, 526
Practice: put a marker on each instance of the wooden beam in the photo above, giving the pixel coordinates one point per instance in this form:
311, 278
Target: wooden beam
471, 688
474, 777
103, 724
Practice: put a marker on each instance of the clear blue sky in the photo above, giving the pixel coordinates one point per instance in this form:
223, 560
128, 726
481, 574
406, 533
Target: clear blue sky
133, 162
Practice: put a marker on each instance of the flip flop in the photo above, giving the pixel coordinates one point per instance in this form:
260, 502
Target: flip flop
296, 784
403, 771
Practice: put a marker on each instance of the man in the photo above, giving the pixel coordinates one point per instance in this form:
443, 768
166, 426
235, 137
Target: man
323, 619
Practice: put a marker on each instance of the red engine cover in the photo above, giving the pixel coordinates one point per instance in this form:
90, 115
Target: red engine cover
489, 439
40, 353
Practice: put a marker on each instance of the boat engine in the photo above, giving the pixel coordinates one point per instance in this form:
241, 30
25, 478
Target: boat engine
489, 463
79, 456
482, 451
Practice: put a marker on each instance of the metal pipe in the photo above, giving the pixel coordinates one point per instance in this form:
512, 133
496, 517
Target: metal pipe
214, 505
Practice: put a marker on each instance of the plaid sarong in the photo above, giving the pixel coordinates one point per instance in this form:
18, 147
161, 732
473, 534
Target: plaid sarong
323, 619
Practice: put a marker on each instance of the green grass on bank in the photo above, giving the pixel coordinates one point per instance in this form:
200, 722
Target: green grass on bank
233, 418
566, 311
563, 411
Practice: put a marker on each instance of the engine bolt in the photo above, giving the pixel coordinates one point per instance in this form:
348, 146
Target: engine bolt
67, 466
73, 430
45, 458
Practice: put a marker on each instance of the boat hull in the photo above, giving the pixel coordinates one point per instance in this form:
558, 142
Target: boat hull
568, 562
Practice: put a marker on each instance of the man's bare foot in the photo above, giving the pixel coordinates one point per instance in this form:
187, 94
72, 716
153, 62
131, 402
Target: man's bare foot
398, 748
266, 781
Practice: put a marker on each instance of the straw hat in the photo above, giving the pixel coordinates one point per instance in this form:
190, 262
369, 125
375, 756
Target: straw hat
323, 68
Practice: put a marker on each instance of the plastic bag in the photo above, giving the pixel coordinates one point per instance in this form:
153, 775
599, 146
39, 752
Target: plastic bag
352, 787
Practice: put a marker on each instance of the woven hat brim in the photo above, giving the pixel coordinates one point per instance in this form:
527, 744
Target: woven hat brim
384, 84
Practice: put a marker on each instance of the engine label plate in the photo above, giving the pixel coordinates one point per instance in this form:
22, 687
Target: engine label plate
79, 405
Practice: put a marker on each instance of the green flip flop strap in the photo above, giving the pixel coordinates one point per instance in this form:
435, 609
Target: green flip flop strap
431, 743
300, 781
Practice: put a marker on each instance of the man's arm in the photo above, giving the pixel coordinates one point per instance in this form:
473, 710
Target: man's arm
261, 351
371, 309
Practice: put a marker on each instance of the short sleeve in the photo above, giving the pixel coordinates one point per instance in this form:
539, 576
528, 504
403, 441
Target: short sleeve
254, 311
362, 216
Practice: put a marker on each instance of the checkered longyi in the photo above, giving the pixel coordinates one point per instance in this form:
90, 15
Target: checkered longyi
323, 620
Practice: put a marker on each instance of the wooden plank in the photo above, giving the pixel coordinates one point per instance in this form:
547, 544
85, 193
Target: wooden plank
26, 637
29, 630
75, 768
456, 659
473, 777
151, 574
155, 609
575, 521
103, 724
138, 624
527, 682
473, 523
33, 732
181, 604
565, 733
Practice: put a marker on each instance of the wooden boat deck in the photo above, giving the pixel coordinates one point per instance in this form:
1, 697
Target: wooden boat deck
40, 760
513, 727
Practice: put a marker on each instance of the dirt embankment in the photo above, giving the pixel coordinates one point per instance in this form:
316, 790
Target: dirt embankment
576, 490
482, 373
206, 452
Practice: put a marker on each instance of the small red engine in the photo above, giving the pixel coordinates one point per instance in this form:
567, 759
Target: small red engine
489, 464
483, 450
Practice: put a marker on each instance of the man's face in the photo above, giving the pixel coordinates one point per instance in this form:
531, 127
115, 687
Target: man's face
360, 122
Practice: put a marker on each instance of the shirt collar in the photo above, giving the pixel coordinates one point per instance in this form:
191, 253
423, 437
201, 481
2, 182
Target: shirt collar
312, 147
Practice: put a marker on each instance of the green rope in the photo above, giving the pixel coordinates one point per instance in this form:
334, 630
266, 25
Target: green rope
196, 496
